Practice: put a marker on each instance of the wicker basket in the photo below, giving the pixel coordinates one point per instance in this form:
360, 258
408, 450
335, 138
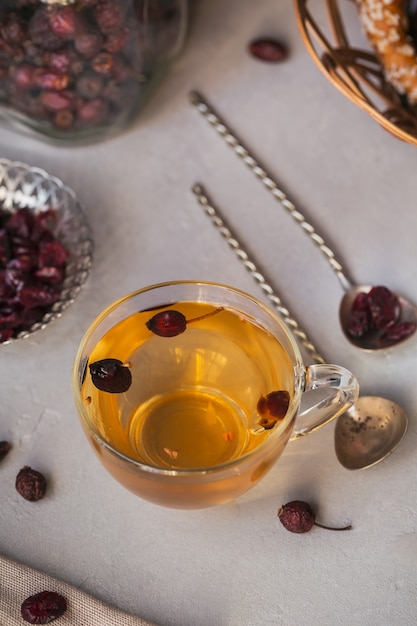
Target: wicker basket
356, 72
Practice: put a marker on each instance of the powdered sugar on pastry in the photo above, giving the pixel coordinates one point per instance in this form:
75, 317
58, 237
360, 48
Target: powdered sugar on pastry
385, 24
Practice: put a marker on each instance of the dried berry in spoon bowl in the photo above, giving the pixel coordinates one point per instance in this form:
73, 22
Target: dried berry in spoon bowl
376, 315
45, 249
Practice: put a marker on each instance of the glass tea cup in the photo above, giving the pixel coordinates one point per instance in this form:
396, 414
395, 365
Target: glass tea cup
189, 391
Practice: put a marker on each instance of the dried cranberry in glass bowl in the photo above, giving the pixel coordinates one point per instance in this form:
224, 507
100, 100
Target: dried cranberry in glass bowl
78, 70
45, 249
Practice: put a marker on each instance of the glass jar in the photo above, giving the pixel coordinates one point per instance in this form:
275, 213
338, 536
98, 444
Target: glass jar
79, 70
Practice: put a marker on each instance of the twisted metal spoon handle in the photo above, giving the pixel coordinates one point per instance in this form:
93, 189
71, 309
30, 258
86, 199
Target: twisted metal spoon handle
242, 152
251, 267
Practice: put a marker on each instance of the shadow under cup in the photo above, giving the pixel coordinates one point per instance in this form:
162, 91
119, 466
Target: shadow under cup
196, 426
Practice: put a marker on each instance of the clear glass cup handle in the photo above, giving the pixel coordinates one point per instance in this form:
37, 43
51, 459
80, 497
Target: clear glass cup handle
345, 389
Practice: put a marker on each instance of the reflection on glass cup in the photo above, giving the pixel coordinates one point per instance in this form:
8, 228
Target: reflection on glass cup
188, 392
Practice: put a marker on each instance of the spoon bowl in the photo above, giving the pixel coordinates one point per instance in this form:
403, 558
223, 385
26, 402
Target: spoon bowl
372, 340
368, 432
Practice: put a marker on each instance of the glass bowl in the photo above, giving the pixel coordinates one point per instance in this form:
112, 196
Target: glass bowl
24, 186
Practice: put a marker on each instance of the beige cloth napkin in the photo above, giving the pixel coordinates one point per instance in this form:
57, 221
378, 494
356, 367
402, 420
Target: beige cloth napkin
18, 582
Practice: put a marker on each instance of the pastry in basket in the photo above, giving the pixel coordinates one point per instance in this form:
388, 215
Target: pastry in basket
385, 23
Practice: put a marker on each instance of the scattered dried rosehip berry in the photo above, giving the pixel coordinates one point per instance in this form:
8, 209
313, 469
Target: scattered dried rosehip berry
273, 408
268, 49
111, 375
5, 448
299, 517
43, 607
31, 484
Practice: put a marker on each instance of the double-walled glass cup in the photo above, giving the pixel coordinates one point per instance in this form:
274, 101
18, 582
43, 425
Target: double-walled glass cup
189, 392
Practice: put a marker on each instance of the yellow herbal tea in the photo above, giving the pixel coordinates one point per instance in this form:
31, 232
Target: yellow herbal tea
194, 398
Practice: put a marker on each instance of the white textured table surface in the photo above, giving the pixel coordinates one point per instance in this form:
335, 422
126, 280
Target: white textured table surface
233, 565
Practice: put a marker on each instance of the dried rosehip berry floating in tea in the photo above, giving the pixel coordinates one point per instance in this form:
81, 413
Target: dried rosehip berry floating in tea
273, 408
269, 50
111, 375
299, 517
43, 607
167, 323
31, 484
172, 323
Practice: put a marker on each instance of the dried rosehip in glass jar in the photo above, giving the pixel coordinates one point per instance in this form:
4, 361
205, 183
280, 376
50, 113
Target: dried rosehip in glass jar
79, 70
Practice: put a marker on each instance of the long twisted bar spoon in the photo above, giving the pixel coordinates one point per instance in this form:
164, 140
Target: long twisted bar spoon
370, 430
257, 276
369, 341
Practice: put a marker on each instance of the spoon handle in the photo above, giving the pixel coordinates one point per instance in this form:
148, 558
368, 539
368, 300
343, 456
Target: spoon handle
249, 264
232, 140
